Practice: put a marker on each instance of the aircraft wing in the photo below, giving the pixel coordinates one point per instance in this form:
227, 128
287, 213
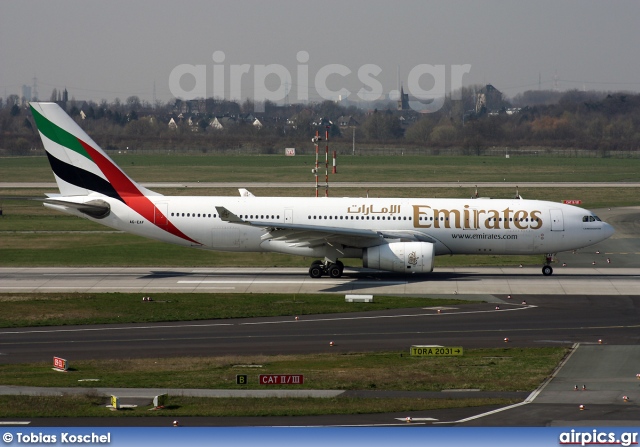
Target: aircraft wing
314, 235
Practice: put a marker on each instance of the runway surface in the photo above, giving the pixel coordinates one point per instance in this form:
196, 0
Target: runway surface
544, 320
606, 327
600, 280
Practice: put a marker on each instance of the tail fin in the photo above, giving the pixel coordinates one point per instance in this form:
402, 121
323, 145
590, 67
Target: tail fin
80, 167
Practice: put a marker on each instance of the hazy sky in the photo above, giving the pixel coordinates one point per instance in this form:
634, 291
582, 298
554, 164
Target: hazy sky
118, 48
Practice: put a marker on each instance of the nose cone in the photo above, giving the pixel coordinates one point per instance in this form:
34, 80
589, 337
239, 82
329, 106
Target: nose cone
607, 230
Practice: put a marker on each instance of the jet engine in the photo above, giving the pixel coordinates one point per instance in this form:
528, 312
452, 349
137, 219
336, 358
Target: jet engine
402, 257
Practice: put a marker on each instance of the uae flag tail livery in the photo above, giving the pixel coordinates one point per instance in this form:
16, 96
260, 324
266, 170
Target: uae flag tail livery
87, 178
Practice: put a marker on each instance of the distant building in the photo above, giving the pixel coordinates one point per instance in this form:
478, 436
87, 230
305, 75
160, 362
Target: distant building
403, 102
322, 121
222, 122
26, 94
347, 121
488, 99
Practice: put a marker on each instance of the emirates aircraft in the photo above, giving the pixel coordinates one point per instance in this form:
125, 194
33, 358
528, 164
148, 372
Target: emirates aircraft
397, 235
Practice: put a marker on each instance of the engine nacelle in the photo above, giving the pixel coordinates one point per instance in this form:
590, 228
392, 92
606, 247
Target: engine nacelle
402, 257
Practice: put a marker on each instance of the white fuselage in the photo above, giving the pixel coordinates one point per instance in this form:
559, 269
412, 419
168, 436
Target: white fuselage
454, 226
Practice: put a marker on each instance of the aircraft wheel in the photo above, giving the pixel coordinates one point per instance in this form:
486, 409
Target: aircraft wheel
315, 271
335, 271
547, 270
341, 266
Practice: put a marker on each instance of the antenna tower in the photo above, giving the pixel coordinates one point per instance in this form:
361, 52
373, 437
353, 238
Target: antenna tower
34, 89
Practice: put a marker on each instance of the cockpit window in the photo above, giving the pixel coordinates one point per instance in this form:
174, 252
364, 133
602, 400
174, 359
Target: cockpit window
590, 219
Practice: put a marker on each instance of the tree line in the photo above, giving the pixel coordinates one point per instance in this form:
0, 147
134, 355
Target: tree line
601, 122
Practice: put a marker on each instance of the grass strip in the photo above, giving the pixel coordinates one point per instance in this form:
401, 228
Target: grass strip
93, 405
486, 369
382, 168
58, 309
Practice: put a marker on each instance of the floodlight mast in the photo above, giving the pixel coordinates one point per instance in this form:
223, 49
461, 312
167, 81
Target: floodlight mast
315, 170
316, 143
326, 162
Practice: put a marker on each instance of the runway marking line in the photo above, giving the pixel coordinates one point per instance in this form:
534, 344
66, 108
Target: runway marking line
387, 316
529, 398
42, 331
303, 281
115, 328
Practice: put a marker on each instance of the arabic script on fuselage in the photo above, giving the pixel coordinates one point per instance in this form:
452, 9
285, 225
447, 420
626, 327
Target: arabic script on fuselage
425, 216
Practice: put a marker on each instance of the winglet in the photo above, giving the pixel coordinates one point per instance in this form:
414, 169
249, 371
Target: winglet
228, 216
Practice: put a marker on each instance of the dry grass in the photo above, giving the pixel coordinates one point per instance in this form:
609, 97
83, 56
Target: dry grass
518, 369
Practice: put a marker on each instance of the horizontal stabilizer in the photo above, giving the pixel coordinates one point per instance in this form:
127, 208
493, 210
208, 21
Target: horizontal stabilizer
98, 209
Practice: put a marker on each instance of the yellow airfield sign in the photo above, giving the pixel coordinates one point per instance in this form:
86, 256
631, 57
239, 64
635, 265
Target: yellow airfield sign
436, 351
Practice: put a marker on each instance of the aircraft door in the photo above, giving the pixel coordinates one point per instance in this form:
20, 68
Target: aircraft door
470, 219
288, 216
557, 223
161, 210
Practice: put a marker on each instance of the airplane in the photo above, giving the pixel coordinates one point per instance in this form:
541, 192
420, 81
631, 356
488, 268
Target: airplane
400, 235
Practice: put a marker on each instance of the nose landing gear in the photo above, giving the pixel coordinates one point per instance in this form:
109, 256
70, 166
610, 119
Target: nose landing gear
547, 270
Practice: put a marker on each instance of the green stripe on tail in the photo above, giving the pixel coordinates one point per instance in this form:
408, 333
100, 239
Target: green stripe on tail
58, 135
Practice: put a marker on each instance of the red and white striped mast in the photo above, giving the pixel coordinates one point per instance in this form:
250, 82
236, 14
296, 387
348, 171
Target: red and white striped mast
326, 161
315, 171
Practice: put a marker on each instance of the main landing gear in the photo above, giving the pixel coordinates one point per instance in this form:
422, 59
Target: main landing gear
547, 270
319, 268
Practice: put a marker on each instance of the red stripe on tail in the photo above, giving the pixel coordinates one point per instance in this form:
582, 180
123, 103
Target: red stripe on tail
131, 194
